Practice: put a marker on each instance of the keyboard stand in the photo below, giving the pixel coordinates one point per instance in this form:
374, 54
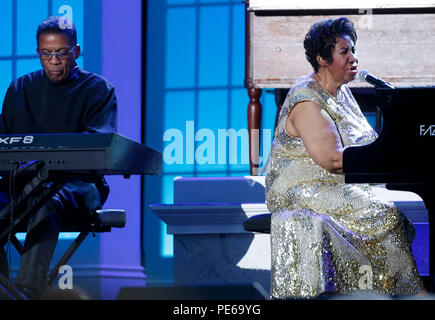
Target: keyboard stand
426, 191
42, 187
36, 188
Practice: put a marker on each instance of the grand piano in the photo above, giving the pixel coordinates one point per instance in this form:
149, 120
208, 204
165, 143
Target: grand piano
402, 155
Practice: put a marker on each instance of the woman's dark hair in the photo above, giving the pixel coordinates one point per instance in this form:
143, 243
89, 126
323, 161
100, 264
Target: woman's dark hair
322, 37
59, 25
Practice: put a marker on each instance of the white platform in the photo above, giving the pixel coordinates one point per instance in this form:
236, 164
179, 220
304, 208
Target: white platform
210, 244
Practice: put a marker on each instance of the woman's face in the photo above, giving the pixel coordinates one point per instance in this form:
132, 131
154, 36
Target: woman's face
344, 61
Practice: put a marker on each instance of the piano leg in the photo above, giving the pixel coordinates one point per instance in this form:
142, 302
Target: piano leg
430, 206
427, 193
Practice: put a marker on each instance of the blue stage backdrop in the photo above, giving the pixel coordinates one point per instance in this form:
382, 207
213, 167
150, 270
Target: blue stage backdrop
196, 105
110, 34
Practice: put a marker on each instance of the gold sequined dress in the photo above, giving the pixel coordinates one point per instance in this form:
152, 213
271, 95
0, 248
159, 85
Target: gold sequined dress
328, 236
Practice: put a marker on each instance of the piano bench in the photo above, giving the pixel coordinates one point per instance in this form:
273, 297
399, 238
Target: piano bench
258, 223
98, 221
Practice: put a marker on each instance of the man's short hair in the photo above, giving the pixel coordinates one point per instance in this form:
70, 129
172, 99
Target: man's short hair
60, 25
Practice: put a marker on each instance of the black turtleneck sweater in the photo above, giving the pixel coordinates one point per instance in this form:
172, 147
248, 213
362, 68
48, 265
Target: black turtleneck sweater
84, 102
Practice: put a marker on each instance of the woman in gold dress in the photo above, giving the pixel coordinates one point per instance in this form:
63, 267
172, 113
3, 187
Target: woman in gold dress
328, 236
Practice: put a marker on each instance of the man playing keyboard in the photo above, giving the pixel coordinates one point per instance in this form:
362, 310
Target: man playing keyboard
59, 98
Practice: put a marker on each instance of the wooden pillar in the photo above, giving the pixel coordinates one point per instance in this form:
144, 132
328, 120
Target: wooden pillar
254, 125
254, 106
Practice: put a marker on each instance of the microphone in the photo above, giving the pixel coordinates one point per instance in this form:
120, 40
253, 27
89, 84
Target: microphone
364, 75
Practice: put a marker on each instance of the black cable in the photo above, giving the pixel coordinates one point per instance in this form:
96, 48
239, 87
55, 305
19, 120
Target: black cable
12, 182
18, 168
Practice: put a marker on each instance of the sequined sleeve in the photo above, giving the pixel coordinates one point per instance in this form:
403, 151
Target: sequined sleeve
302, 92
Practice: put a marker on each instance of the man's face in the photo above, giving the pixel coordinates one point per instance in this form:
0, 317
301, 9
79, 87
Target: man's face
57, 68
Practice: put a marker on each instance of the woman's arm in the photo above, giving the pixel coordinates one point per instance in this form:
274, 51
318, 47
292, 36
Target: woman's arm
319, 134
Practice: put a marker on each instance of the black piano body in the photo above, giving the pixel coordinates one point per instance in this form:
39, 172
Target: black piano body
402, 155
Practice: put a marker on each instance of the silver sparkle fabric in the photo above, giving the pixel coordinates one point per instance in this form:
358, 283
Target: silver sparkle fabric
328, 236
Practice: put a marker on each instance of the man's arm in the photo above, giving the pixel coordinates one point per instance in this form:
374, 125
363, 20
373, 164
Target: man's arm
8, 105
2, 125
103, 117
